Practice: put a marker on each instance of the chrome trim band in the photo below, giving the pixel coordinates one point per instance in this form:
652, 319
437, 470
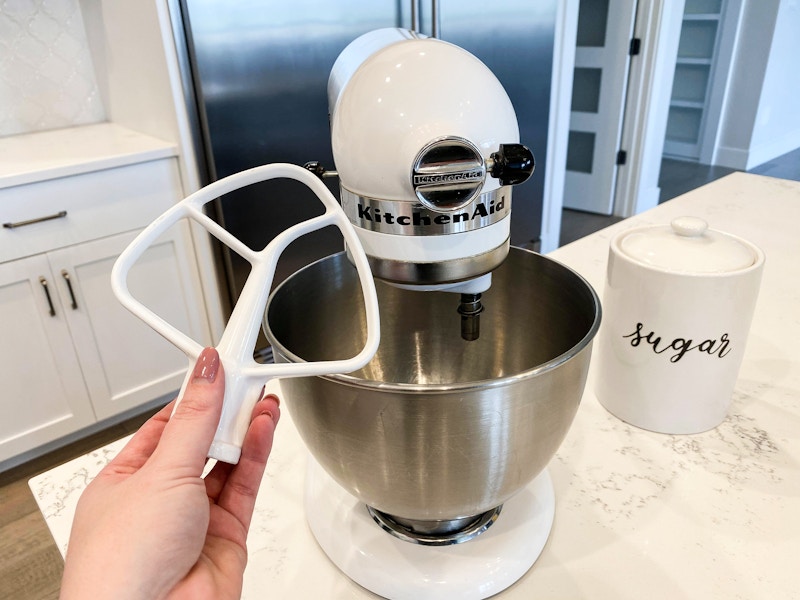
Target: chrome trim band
409, 218
449, 271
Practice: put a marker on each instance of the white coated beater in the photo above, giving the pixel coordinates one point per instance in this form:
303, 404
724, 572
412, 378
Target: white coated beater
244, 378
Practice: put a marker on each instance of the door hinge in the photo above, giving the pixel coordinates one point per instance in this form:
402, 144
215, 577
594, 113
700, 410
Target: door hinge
622, 157
635, 46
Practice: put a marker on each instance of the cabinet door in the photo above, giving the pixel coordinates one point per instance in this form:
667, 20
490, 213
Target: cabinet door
125, 363
43, 396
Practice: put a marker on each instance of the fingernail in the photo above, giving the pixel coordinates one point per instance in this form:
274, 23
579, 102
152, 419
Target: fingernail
268, 413
272, 397
207, 365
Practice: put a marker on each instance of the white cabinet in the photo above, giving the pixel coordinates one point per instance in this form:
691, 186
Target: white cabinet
70, 354
102, 183
44, 396
124, 362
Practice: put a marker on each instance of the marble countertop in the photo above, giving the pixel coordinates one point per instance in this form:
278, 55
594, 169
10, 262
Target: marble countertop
638, 514
45, 155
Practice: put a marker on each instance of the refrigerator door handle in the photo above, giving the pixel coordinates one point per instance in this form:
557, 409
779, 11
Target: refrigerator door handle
436, 23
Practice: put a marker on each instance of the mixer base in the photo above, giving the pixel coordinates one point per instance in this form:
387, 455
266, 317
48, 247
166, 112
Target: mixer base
397, 569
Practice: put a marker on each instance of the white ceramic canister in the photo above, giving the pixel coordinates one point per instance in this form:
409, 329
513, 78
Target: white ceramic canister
677, 306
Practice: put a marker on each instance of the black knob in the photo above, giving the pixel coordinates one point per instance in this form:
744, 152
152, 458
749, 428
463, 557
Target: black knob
315, 167
513, 164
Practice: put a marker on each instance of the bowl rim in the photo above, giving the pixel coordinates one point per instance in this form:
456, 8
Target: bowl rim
446, 388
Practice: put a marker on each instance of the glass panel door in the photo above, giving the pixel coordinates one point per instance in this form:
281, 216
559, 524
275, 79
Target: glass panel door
605, 28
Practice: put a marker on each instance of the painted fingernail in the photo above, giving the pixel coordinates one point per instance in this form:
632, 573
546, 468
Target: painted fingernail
207, 365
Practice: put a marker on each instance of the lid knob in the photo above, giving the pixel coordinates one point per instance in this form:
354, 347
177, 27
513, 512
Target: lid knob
689, 226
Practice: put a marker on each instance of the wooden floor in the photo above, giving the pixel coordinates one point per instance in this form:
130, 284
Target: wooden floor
30, 564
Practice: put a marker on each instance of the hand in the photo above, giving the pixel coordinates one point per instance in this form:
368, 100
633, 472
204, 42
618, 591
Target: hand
149, 526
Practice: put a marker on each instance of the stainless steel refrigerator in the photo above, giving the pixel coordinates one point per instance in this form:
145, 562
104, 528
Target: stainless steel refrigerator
256, 72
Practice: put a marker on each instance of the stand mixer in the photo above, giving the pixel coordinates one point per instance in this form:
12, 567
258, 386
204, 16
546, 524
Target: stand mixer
427, 476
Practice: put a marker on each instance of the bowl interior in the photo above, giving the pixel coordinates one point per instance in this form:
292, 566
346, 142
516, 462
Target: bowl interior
537, 314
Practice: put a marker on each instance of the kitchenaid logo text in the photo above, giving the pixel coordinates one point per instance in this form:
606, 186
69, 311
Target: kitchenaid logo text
433, 178
680, 346
371, 214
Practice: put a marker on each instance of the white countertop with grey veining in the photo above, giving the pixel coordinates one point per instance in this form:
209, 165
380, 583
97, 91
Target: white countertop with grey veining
638, 514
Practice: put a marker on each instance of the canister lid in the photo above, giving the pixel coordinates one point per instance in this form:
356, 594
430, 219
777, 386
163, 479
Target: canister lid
687, 245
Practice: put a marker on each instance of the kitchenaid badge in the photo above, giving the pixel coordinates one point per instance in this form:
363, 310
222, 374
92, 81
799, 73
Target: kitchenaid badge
448, 174
408, 218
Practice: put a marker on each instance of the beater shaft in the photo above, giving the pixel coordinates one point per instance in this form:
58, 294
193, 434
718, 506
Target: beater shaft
470, 310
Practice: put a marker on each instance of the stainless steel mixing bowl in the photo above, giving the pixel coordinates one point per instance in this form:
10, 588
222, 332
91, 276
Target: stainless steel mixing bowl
436, 428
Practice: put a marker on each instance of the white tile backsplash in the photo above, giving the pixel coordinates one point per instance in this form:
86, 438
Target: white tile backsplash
47, 78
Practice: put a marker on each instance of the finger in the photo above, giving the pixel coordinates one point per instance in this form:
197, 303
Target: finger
190, 431
141, 446
238, 495
216, 479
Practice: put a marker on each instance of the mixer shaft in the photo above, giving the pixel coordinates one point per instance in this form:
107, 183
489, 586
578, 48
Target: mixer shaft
470, 310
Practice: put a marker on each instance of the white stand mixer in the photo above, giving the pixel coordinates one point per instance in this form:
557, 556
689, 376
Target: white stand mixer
425, 142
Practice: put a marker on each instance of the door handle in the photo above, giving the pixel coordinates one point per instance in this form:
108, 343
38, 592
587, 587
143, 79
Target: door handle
46, 289
65, 275
435, 23
435, 20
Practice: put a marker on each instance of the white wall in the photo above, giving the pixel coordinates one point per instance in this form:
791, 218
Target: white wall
126, 41
777, 124
761, 119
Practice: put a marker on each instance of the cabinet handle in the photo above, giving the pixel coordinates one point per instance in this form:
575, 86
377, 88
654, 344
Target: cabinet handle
43, 281
58, 215
65, 275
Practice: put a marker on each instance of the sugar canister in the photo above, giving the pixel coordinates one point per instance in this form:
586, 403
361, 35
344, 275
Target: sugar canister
678, 304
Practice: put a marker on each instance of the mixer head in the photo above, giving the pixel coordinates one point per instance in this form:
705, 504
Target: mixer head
425, 142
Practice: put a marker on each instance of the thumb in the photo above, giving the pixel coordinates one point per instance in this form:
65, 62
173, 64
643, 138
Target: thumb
190, 431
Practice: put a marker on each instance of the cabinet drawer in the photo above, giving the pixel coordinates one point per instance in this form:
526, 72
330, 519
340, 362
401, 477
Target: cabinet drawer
85, 207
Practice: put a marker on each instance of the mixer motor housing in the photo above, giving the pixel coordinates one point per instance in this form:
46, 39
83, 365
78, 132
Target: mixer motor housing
426, 146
